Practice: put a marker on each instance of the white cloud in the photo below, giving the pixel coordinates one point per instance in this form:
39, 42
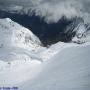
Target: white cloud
53, 10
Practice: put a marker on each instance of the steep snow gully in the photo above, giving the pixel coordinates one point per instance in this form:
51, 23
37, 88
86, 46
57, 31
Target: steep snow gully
25, 63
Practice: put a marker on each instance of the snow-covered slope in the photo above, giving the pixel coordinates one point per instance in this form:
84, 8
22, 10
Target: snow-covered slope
18, 53
15, 35
68, 70
27, 65
17, 44
78, 31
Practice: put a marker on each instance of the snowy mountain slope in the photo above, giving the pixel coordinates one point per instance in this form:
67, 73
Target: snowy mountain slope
32, 74
14, 35
82, 34
17, 44
27, 65
78, 31
68, 70
18, 53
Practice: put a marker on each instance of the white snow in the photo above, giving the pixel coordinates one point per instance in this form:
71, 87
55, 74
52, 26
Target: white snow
18, 47
14, 35
29, 66
68, 70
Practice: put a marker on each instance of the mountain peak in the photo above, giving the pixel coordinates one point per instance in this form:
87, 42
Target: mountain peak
15, 35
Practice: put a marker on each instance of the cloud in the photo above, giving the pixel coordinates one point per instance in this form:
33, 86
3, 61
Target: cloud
52, 10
